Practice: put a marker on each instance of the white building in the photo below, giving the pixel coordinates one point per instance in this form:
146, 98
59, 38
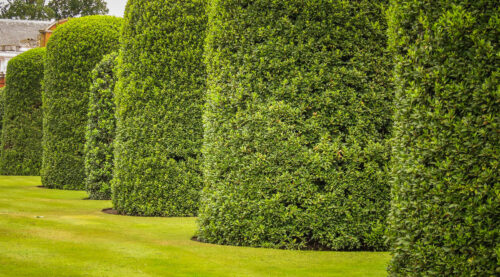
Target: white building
17, 36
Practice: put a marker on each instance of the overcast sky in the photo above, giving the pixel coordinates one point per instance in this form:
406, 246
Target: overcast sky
116, 7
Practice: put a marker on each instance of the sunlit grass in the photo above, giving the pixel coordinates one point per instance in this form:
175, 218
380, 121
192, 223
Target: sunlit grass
56, 233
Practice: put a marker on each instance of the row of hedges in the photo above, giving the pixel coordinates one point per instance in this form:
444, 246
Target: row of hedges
101, 130
159, 98
22, 112
73, 51
296, 125
446, 208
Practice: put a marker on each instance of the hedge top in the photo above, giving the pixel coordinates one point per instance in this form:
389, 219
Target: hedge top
76, 47
32, 56
24, 76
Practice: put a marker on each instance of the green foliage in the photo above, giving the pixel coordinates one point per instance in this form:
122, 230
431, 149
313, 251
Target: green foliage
101, 130
159, 96
22, 109
73, 51
74, 8
53, 9
26, 9
445, 214
84, 240
2, 92
296, 125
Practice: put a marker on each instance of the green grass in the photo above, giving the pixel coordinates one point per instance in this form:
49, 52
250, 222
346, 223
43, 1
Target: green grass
56, 233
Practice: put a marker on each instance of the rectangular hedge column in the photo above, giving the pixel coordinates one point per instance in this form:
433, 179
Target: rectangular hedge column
73, 51
21, 152
101, 128
160, 95
446, 208
296, 125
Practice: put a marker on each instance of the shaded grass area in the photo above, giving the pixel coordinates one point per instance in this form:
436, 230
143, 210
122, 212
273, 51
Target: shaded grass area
56, 233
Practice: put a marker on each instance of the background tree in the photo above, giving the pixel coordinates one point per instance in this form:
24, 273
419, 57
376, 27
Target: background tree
26, 9
76, 8
53, 9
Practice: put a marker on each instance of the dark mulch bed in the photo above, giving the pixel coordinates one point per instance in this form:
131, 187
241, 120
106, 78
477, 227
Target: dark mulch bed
110, 211
195, 238
310, 247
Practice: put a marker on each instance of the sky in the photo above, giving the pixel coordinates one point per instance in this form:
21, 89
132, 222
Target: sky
116, 7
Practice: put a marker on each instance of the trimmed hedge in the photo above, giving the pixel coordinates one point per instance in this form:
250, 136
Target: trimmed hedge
160, 96
101, 130
73, 51
22, 125
446, 209
2, 92
296, 125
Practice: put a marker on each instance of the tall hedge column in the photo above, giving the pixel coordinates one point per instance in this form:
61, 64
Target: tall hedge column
160, 95
296, 125
2, 93
446, 207
73, 51
22, 127
101, 127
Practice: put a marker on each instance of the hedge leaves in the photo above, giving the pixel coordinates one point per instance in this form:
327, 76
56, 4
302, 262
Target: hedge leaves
446, 209
160, 96
296, 126
22, 125
72, 53
101, 130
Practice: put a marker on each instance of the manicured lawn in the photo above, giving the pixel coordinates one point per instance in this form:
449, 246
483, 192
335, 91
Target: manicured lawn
56, 233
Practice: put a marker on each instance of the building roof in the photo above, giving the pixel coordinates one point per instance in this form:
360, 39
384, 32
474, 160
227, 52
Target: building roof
51, 27
21, 32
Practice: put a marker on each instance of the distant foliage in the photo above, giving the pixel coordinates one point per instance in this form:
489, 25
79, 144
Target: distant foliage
22, 109
296, 126
51, 9
72, 53
446, 208
160, 96
101, 130
73, 8
26, 9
